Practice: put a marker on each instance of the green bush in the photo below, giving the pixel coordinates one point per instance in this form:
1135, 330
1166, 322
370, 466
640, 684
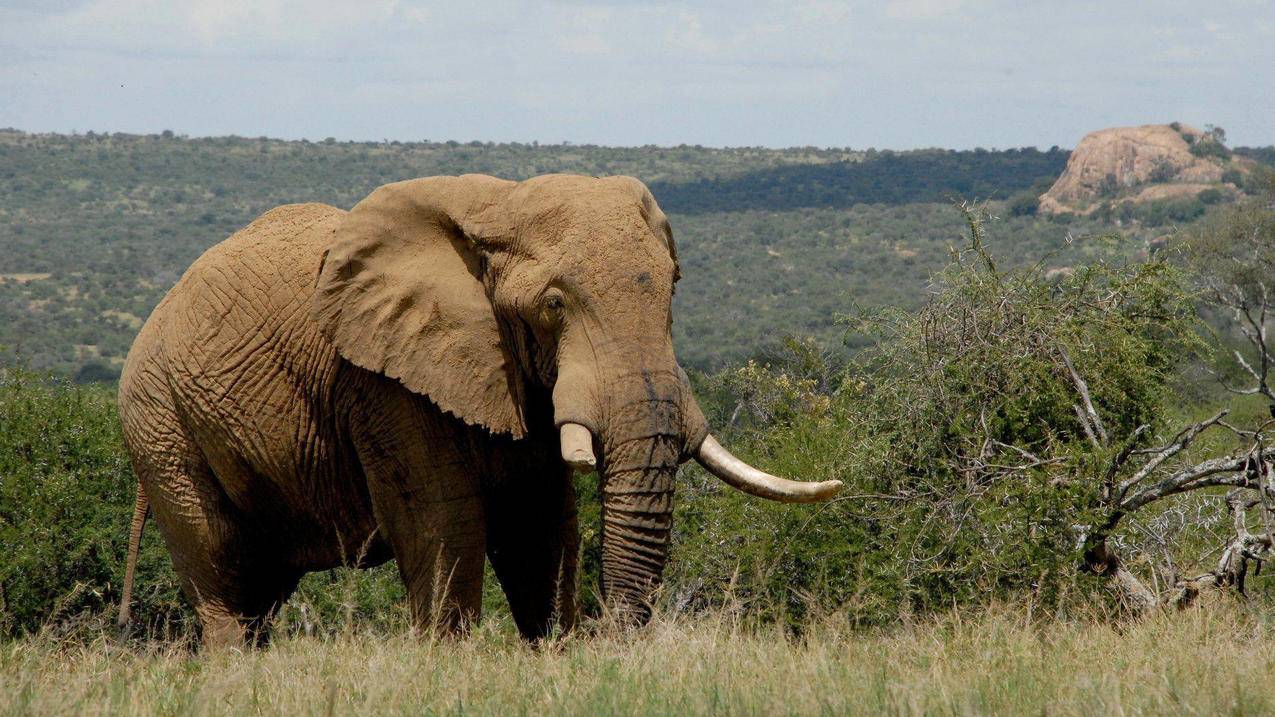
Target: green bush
66, 496
1163, 170
1024, 204
1168, 211
97, 371
1210, 196
1209, 147
965, 467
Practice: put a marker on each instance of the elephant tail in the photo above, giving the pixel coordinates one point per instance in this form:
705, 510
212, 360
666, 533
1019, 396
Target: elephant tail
141, 508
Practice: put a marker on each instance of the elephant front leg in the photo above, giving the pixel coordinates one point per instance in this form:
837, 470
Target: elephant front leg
533, 543
424, 488
442, 567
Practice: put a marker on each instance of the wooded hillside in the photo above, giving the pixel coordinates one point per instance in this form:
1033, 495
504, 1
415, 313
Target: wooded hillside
94, 228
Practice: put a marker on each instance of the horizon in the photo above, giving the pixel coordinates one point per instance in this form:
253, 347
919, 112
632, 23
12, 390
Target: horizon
76, 132
903, 74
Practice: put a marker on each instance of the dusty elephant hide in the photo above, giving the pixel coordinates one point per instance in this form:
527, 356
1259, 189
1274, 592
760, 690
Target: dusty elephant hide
414, 379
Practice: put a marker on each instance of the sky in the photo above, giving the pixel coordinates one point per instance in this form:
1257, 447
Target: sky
895, 74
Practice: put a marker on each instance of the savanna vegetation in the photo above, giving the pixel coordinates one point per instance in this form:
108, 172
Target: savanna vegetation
1053, 434
94, 228
999, 661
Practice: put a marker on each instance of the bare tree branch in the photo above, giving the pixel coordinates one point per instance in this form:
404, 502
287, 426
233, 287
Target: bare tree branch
1084, 423
1120, 459
1181, 441
1200, 475
1249, 369
1083, 389
1255, 332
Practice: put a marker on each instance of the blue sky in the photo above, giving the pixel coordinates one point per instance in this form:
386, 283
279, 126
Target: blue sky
892, 74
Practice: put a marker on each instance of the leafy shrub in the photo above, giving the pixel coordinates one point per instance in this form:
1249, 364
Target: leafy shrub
66, 496
965, 465
1264, 155
1232, 254
97, 371
1162, 171
1210, 196
1167, 211
1209, 147
1024, 204
1108, 186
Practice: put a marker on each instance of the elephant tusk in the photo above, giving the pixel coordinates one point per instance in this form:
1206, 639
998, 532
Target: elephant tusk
577, 446
719, 461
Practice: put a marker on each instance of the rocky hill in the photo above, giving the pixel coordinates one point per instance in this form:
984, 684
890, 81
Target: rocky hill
1144, 164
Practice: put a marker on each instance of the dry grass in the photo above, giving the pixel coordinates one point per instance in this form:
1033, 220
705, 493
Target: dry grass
1204, 661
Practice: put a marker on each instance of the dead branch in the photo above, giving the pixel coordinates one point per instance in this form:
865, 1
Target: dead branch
1083, 389
1213, 472
1179, 444
1118, 461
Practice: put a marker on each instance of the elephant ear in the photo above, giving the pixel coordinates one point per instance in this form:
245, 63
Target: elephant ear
401, 293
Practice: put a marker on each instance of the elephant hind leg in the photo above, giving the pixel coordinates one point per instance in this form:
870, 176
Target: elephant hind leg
225, 572
243, 616
229, 575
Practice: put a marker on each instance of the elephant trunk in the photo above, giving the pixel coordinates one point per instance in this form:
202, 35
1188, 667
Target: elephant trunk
645, 423
645, 433
637, 515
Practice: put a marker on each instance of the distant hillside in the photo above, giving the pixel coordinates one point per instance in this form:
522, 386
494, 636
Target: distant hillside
1263, 155
95, 228
876, 178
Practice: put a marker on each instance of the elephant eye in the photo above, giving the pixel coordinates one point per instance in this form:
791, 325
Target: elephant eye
551, 307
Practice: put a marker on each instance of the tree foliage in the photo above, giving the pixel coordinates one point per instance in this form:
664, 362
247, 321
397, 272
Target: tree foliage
94, 229
969, 473
882, 178
66, 495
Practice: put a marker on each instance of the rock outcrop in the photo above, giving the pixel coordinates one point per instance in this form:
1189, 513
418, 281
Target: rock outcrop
1138, 164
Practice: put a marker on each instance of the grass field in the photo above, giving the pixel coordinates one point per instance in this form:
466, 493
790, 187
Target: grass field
1211, 660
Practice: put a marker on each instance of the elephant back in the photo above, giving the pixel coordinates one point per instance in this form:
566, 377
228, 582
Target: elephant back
241, 358
247, 296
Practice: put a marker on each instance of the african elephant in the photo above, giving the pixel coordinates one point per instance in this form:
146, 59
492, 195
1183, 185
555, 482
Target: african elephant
416, 379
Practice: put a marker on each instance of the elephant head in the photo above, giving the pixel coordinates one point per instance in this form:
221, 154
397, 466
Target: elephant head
484, 294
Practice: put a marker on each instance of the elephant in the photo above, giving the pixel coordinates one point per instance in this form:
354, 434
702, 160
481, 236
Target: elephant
416, 379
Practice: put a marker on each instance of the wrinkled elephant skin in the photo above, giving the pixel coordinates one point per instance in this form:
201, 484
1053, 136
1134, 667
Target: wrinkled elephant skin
416, 379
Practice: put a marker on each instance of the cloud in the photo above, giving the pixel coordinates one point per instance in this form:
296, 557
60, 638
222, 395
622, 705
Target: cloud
582, 30
222, 27
899, 74
921, 9
43, 7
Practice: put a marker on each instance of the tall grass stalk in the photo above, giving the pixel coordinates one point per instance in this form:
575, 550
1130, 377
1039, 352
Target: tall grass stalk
1210, 660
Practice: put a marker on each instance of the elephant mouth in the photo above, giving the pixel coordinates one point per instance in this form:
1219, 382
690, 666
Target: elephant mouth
577, 451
